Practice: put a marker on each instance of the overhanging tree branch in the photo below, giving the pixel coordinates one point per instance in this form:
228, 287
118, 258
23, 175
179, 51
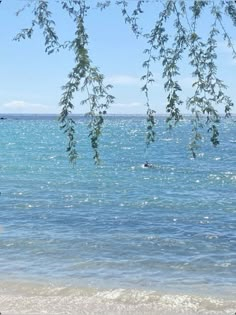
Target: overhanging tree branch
173, 36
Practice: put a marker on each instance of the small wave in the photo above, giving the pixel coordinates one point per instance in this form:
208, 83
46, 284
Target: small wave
41, 299
167, 139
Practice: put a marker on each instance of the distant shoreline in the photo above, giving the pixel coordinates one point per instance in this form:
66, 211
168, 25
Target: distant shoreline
55, 116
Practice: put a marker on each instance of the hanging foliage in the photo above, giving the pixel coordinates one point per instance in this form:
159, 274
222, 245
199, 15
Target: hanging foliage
183, 18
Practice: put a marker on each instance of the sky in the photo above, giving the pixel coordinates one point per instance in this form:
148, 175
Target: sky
31, 80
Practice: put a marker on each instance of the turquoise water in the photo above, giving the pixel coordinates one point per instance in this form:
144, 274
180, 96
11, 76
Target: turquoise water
116, 238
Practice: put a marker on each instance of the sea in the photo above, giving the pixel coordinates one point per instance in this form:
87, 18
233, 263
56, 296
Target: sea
116, 238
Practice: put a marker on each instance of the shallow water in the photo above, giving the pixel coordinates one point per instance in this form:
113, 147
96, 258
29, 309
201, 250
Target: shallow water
117, 238
29, 298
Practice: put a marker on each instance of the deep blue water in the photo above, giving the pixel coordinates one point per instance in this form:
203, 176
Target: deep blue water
171, 228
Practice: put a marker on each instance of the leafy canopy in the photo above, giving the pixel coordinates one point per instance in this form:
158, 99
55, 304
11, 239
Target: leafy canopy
183, 18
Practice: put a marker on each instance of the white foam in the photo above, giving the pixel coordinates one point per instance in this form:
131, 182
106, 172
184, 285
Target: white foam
28, 298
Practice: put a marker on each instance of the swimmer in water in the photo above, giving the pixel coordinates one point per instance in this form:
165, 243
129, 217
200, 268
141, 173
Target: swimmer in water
147, 164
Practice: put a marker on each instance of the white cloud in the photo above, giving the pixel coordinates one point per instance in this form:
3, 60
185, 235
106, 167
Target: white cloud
223, 46
17, 106
127, 108
129, 105
186, 82
123, 80
227, 52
